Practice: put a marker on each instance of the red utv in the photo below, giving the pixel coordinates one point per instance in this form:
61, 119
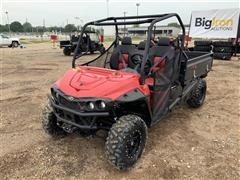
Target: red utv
127, 89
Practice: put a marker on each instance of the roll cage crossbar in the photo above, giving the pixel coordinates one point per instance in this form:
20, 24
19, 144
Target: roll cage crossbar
116, 21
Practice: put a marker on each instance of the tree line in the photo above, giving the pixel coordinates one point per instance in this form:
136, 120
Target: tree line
27, 27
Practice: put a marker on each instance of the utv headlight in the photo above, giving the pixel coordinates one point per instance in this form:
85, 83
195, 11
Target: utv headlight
101, 105
98, 105
91, 106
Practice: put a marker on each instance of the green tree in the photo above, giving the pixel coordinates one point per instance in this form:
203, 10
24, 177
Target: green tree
27, 27
54, 28
174, 24
16, 26
70, 28
4, 28
90, 29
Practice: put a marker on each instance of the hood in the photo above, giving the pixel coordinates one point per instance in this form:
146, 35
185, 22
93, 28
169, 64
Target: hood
88, 81
15, 39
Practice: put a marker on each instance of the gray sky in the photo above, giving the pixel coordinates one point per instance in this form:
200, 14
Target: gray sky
58, 12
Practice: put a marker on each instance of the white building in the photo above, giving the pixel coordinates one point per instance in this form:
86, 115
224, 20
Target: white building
159, 30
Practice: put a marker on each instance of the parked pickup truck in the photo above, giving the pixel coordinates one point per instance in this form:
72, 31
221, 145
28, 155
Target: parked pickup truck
127, 89
8, 41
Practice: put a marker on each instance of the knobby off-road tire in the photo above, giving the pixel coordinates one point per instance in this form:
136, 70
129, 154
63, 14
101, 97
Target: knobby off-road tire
14, 44
223, 56
222, 44
202, 43
198, 95
223, 49
203, 48
67, 51
126, 141
49, 122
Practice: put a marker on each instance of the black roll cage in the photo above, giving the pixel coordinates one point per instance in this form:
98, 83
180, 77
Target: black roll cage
152, 19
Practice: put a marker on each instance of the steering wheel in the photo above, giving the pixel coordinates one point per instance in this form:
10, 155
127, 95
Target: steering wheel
135, 62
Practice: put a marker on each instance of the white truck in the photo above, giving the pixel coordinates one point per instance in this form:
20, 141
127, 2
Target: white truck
8, 41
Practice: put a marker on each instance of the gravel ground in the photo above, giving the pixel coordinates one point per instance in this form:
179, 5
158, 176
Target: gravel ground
199, 143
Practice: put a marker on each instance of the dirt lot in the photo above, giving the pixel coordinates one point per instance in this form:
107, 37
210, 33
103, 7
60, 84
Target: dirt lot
188, 144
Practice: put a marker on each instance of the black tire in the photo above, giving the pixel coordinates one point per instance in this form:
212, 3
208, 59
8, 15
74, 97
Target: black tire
202, 43
203, 48
14, 44
126, 141
223, 49
49, 122
67, 51
197, 96
222, 44
222, 56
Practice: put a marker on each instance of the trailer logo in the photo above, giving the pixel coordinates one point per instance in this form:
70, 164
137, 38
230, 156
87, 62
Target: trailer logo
214, 23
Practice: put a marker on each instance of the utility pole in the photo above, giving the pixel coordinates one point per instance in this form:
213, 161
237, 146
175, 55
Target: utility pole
9, 29
43, 25
79, 23
1, 14
124, 30
62, 27
43, 28
25, 30
137, 4
107, 8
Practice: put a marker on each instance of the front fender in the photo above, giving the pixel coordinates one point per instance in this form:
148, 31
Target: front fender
135, 102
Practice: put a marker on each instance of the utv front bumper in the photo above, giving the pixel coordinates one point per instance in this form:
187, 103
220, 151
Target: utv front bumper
82, 120
70, 112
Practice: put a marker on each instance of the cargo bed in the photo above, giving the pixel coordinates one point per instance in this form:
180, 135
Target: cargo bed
195, 65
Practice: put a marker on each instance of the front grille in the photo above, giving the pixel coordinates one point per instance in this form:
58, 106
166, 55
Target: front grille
68, 103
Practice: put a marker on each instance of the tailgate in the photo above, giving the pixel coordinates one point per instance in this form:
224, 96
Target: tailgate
65, 43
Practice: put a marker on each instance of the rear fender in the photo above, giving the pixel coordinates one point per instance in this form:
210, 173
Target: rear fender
188, 90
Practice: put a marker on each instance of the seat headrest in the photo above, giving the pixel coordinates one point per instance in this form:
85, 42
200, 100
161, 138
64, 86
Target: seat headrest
126, 41
164, 41
141, 45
